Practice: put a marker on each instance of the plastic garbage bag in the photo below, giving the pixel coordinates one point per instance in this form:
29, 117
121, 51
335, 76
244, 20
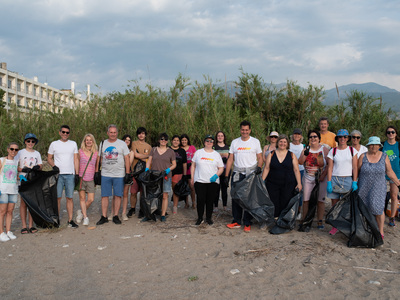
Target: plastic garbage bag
287, 219
150, 199
39, 193
182, 188
352, 217
252, 195
312, 207
138, 169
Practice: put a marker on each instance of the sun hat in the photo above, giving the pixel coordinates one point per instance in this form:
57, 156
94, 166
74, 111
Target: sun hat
374, 140
342, 132
31, 136
274, 133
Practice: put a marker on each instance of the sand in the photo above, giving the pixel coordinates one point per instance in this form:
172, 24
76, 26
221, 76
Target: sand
178, 260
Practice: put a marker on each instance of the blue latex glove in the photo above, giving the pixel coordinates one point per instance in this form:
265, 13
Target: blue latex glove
329, 187
146, 169
22, 178
214, 178
354, 186
167, 171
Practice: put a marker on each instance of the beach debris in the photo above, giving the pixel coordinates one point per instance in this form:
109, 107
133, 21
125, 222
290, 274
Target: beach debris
259, 270
391, 250
91, 227
234, 271
193, 278
101, 247
373, 282
111, 265
377, 270
65, 246
124, 237
175, 236
10, 254
138, 235
251, 273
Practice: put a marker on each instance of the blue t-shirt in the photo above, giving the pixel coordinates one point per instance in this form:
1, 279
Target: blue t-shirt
392, 152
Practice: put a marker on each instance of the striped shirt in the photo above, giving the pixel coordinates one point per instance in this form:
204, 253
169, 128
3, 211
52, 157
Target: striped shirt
83, 160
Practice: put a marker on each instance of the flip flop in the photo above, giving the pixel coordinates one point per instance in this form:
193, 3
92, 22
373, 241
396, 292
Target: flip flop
24, 231
33, 230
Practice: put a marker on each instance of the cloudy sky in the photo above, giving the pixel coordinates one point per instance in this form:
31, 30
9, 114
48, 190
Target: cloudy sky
107, 43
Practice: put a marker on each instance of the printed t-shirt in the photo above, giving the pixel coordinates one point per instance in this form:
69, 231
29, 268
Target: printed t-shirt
91, 167
163, 161
141, 148
342, 162
207, 164
63, 153
245, 152
314, 160
328, 138
189, 156
297, 149
180, 160
113, 158
28, 159
221, 150
392, 152
8, 177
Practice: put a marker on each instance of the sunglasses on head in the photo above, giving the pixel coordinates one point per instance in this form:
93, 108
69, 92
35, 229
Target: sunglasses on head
14, 149
356, 137
390, 132
64, 132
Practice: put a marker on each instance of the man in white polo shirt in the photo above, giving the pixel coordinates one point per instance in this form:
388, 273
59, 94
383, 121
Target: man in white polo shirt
246, 157
63, 156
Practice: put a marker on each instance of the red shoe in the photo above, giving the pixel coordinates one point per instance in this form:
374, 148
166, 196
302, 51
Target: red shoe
247, 229
233, 225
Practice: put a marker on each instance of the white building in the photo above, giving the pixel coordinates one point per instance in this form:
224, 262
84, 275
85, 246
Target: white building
28, 93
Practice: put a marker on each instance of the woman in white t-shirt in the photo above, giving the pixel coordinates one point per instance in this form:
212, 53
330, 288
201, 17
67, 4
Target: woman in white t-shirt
355, 143
342, 169
28, 159
296, 147
9, 191
207, 166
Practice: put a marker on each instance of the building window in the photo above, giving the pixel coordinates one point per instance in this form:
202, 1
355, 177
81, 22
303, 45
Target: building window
9, 84
9, 100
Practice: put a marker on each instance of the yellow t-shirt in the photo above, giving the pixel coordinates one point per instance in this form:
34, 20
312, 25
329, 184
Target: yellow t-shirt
328, 139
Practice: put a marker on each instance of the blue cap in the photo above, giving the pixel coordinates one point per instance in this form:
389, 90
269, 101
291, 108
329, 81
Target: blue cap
342, 132
31, 136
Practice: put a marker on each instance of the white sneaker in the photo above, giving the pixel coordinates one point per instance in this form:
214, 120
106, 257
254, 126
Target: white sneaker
124, 218
79, 216
299, 217
11, 235
4, 237
86, 221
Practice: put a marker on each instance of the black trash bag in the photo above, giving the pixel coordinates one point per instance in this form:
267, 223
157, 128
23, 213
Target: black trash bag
39, 193
305, 226
139, 168
182, 188
252, 195
351, 217
287, 219
151, 198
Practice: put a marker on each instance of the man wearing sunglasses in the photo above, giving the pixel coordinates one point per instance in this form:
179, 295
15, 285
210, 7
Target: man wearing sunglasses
63, 157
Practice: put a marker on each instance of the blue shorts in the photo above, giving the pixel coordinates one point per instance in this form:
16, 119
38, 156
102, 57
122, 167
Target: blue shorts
8, 198
340, 186
167, 185
110, 183
67, 181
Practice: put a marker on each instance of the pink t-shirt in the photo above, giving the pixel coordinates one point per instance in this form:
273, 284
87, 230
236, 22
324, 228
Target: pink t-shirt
189, 156
91, 168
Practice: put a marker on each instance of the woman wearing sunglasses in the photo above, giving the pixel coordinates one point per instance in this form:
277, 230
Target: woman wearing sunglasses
28, 158
272, 139
9, 191
314, 160
342, 169
356, 142
391, 148
206, 168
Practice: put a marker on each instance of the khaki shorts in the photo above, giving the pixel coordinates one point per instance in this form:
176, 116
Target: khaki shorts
88, 186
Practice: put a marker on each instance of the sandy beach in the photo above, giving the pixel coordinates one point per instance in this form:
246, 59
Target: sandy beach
179, 260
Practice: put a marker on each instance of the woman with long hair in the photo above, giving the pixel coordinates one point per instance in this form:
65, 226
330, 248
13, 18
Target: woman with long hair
222, 148
128, 141
88, 156
272, 144
180, 170
190, 150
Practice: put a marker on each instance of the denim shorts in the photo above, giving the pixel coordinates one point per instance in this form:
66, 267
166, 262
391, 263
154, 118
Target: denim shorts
341, 184
8, 198
167, 185
67, 181
110, 183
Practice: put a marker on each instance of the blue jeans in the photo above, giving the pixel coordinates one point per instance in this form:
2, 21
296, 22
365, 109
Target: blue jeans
237, 210
67, 181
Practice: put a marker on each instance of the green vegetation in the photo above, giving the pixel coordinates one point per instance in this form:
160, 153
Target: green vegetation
205, 109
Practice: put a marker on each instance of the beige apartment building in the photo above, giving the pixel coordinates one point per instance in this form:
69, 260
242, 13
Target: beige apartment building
28, 93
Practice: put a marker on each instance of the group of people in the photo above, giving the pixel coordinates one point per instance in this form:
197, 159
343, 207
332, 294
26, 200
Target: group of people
287, 167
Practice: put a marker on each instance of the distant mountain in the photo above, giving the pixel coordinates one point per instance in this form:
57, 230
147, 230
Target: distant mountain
390, 97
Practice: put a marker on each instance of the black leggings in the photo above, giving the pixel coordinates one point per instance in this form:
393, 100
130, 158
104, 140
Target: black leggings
224, 191
206, 194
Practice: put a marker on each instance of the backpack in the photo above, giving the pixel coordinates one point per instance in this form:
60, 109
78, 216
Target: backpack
351, 151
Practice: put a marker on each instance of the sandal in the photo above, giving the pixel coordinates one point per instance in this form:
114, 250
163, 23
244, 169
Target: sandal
24, 230
391, 222
33, 230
